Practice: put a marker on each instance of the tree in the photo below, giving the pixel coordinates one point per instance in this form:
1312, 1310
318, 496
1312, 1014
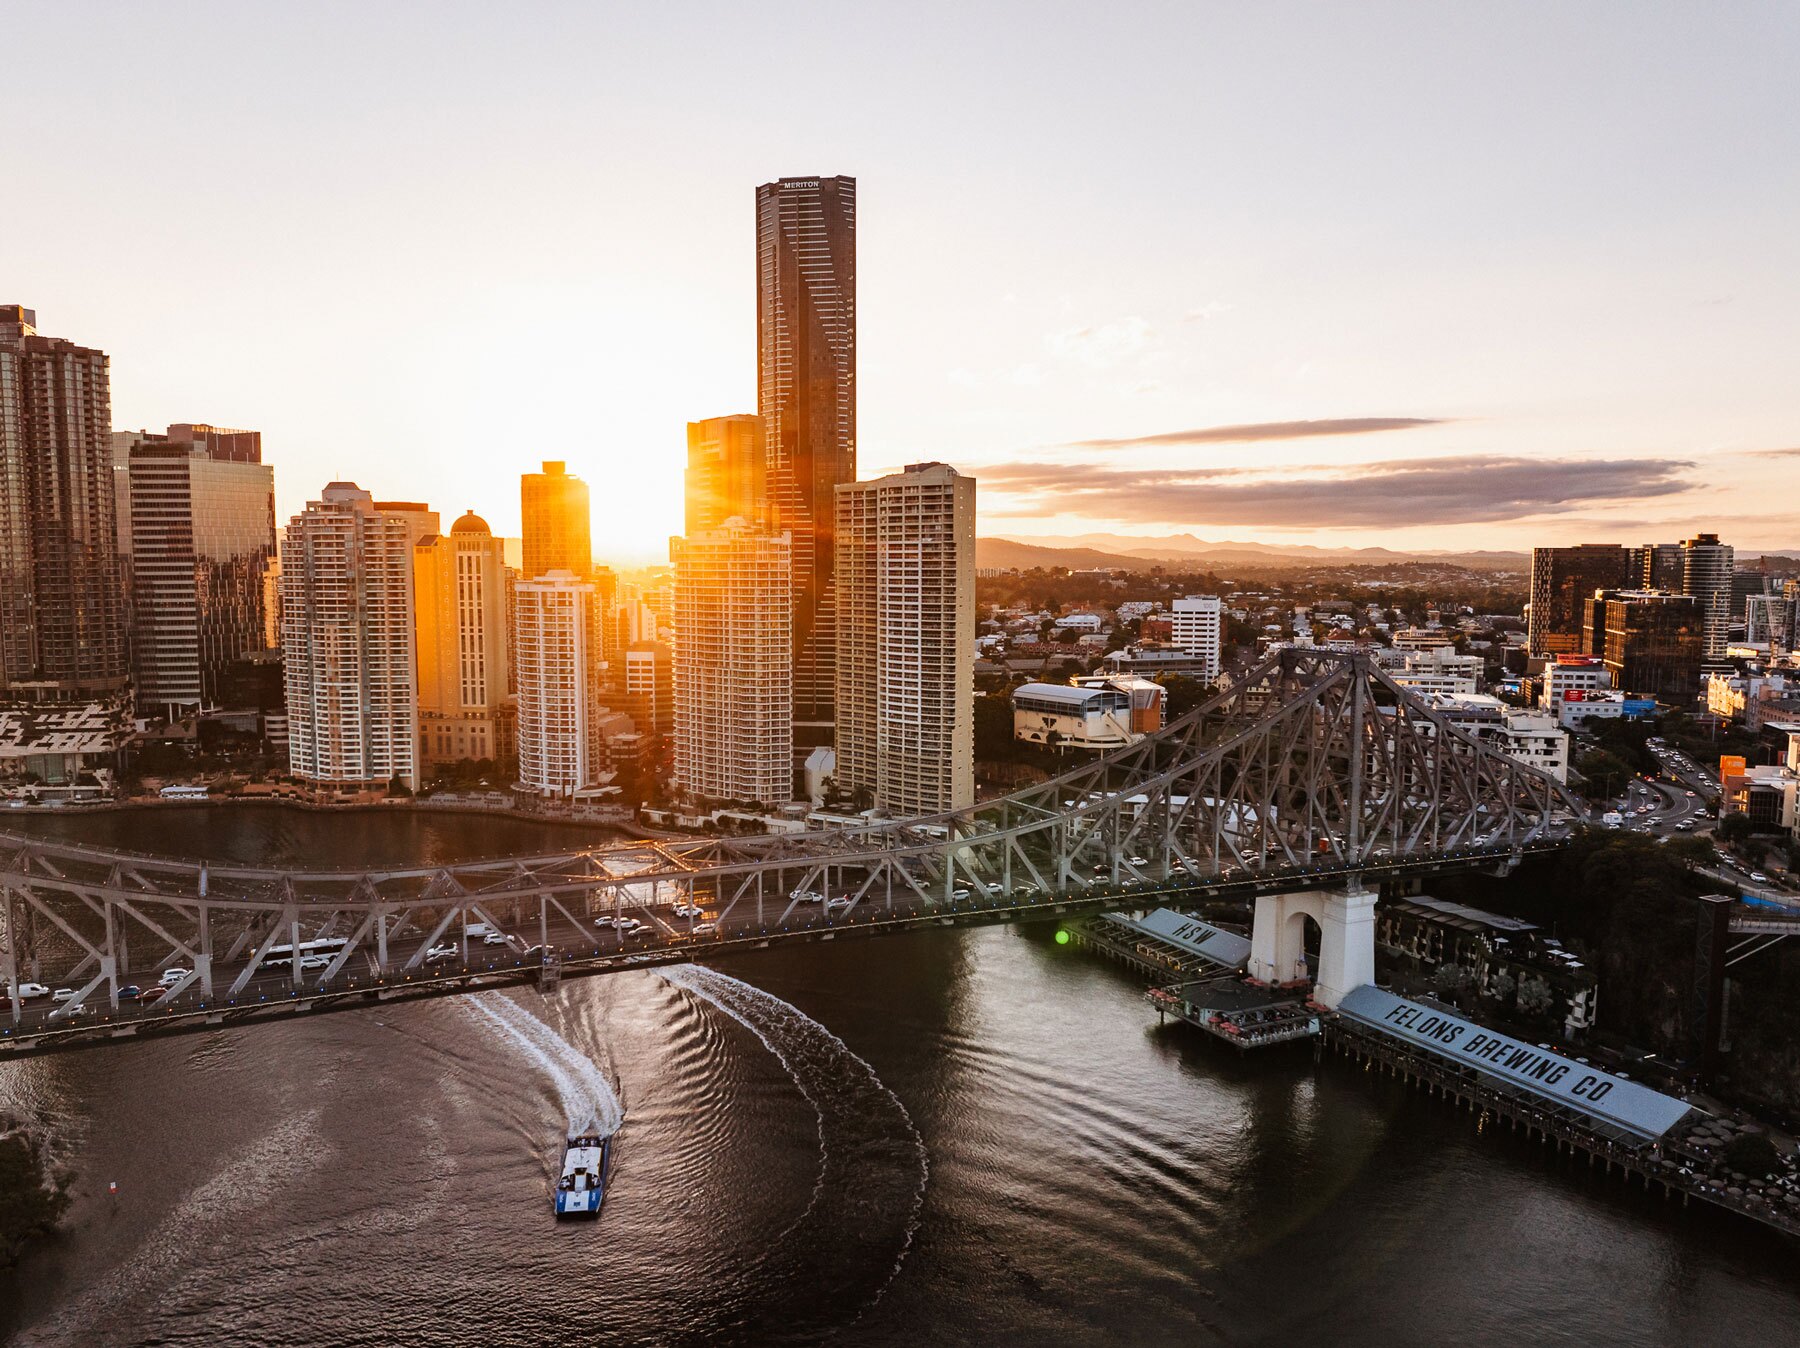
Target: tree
1450, 980
1604, 774
1501, 988
1535, 996
1752, 1154
1734, 828
1692, 851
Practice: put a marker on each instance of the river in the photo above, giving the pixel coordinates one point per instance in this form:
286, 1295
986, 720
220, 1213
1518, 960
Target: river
943, 1137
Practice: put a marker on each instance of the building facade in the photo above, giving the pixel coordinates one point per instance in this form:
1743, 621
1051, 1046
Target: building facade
466, 710
1195, 628
906, 640
1562, 581
62, 613
1652, 642
201, 513
561, 753
1706, 573
650, 686
806, 397
727, 473
557, 522
733, 676
347, 644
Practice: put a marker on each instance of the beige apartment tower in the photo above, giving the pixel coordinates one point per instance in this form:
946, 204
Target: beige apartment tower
733, 677
561, 754
906, 640
347, 644
460, 616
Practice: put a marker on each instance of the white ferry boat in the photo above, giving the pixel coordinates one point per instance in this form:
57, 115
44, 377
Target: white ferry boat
586, 1161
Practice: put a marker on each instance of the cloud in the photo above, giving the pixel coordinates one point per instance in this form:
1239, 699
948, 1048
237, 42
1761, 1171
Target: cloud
1768, 453
1404, 493
1268, 430
1104, 346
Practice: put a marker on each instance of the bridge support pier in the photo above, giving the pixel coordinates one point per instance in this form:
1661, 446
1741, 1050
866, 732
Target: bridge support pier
1346, 920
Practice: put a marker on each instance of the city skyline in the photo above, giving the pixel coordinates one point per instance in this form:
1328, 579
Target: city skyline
1538, 319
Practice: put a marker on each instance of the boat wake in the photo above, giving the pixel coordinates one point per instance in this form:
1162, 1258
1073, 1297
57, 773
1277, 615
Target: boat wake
859, 1223
583, 1089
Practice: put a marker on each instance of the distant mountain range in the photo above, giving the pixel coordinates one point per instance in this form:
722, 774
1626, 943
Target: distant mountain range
1082, 551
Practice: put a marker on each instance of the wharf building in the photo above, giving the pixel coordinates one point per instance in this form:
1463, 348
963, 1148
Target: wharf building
64, 668
806, 398
199, 512
460, 612
733, 675
906, 640
562, 755
347, 644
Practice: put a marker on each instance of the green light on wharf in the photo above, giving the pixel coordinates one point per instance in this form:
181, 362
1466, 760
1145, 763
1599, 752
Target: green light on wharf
1062, 937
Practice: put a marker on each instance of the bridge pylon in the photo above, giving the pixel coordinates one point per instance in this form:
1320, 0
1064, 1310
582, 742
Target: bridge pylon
1346, 921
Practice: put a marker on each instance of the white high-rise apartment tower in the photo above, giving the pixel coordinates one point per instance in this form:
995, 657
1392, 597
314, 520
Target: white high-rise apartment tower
1706, 566
347, 643
734, 675
1194, 624
906, 640
555, 650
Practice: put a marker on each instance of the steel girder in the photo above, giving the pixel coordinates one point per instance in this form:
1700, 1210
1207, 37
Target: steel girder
1313, 760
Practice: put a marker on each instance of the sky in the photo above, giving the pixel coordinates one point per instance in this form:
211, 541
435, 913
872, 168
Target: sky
1417, 275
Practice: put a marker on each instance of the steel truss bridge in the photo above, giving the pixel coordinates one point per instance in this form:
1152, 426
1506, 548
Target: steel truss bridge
1312, 769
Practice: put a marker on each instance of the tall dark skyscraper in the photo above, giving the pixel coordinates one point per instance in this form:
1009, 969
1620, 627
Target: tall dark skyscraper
1562, 581
62, 611
806, 396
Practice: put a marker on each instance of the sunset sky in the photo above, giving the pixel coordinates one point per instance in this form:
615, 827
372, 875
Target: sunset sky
1421, 275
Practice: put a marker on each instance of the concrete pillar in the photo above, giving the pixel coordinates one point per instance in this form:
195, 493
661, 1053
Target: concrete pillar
1265, 936
1347, 944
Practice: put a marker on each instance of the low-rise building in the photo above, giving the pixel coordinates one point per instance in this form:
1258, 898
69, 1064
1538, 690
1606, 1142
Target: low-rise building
1531, 736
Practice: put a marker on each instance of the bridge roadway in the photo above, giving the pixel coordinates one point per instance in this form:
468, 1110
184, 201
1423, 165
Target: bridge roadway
274, 990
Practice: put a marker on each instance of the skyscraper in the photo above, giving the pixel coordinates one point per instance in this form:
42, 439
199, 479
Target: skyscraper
62, 612
806, 396
202, 519
906, 640
1706, 567
1562, 581
1651, 641
727, 472
558, 522
347, 643
734, 733
460, 617
561, 753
